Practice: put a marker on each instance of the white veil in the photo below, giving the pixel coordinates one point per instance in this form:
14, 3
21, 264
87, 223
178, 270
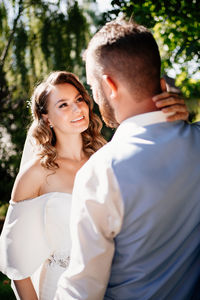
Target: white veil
29, 151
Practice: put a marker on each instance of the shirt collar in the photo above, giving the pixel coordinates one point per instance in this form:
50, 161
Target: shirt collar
149, 118
136, 125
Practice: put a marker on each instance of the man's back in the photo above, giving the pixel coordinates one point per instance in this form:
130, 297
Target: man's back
157, 252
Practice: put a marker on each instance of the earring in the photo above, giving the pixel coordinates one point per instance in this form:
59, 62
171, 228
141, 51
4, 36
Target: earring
51, 126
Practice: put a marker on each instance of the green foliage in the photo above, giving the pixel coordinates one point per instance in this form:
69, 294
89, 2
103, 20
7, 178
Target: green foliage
20, 46
5, 289
62, 41
191, 89
3, 210
2, 17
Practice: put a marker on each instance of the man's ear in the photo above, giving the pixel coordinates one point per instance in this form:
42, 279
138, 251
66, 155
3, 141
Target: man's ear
110, 87
163, 85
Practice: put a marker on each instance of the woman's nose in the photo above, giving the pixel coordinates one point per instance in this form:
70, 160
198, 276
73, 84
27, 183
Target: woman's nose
75, 107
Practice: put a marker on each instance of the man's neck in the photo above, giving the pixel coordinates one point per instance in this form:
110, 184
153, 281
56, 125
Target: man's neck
136, 108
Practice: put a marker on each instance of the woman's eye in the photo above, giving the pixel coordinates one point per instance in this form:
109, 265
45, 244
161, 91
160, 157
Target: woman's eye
63, 105
80, 99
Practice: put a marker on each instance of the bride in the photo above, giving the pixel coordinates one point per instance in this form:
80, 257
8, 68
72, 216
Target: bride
35, 242
67, 133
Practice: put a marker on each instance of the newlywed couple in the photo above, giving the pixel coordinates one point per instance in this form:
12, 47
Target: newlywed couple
131, 228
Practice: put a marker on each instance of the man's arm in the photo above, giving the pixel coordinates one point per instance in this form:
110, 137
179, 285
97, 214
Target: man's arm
96, 218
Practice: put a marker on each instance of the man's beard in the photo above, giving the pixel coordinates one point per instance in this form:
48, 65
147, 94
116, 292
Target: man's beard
106, 110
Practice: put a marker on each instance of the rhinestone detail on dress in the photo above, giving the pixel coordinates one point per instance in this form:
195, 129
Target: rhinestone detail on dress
60, 259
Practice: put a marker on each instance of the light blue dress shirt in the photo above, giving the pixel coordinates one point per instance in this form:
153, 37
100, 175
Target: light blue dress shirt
157, 252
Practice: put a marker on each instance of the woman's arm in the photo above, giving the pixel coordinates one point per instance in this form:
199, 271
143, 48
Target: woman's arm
26, 186
25, 289
28, 182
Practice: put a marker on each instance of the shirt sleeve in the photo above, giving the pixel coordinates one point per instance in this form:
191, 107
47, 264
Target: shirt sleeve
96, 218
23, 246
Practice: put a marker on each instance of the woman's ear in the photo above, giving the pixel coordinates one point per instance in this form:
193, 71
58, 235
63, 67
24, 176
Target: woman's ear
45, 119
163, 85
110, 87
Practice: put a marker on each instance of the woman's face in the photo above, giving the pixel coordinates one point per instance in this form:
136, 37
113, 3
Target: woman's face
68, 113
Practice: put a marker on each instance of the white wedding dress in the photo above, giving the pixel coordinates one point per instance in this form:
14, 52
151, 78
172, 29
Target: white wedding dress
35, 241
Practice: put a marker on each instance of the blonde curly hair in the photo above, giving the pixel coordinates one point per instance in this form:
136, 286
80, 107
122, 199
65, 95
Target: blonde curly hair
44, 136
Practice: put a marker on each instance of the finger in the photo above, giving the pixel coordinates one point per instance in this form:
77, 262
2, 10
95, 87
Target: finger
175, 108
164, 95
169, 101
178, 116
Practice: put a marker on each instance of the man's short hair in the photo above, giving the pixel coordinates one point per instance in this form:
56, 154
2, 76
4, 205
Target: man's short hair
129, 51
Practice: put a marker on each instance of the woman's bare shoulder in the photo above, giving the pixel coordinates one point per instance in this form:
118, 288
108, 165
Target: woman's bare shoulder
28, 181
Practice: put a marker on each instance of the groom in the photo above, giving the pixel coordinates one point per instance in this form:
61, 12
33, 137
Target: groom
136, 203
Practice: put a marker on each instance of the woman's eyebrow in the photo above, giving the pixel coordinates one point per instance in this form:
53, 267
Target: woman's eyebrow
66, 99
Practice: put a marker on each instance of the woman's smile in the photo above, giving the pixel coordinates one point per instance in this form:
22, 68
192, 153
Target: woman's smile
78, 119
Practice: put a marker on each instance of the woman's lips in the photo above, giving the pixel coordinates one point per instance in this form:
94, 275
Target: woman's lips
78, 119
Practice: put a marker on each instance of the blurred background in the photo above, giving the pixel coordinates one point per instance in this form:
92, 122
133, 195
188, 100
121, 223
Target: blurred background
39, 36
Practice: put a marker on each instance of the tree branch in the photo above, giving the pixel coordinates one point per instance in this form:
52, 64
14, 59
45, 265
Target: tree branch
5, 51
